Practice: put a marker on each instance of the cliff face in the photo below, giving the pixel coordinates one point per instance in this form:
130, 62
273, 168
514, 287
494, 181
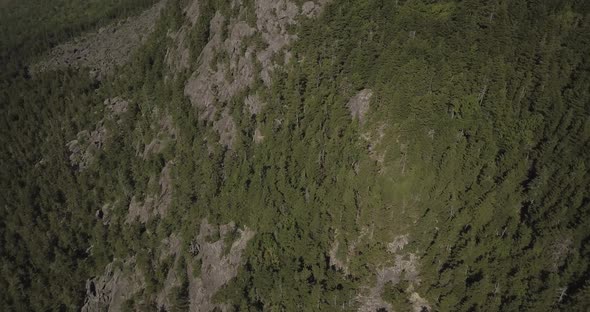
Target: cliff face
246, 45
241, 51
213, 258
250, 54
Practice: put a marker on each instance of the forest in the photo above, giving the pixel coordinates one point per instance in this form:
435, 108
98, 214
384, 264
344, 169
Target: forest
470, 170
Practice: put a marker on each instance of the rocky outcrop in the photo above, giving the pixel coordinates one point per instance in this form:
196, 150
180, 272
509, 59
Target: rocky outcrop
398, 243
209, 84
374, 139
312, 9
217, 249
405, 267
115, 107
154, 204
170, 247
273, 20
166, 133
84, 147
258, 137
253, 104
217, 267
401, 266
87, 143
226, 128
335, 262
419, 304
102, 51
178, 55
218, 79
109, 291
359, 105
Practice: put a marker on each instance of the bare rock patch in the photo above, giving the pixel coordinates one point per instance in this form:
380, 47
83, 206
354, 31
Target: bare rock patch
359, 104
166, 133
153, 204
404, 267
109, 291
216, 82
103, 50
87, 143
253, 104
84, 147
217, 267
219, 250
258, 137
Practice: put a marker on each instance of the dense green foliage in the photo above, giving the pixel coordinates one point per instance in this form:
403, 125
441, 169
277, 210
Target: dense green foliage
485, 113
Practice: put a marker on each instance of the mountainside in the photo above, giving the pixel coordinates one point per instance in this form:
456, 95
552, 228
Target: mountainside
289, 155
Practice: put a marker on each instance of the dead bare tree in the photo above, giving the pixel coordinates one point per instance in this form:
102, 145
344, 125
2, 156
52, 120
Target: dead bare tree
560, 250
194, 248
562, 293
482, 93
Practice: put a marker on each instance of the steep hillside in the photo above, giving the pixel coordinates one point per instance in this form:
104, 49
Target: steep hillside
297, 156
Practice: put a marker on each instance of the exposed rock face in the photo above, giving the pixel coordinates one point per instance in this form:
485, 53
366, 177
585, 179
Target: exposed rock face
109, 291
398, 243
219, 264
116, 106
208, 85
374, 138
258, 137
103, 214
405, 267
217, 268
178, 56
87, 143
166, 133
226, 128
310, 9
559, 250
419, 304
253, 104
401, 267
273, 19
338, 264
153, 204
216, 82
359, 104
171, 247
111, 46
